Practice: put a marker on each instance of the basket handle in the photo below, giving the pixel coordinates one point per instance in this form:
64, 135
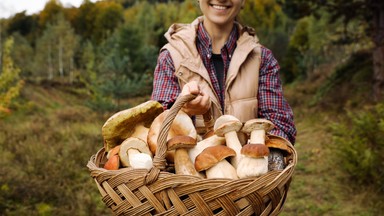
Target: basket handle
159, 161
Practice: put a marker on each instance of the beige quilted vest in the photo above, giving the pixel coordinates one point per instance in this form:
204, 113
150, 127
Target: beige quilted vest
241, 85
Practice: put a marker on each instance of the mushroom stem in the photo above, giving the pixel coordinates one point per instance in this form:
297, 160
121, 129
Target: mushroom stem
184, 164
232, 141
249, 166
223, 169
140, 132
139, 160
257, 137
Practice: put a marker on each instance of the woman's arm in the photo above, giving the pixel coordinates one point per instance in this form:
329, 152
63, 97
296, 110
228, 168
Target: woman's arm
272, 104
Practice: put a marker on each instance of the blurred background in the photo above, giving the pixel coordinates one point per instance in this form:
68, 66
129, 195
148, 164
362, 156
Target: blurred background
65, 70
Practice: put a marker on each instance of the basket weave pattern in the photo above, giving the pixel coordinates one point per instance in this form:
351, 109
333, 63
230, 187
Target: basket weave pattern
157, 192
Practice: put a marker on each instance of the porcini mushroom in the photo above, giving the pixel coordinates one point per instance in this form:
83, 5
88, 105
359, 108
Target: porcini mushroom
213, 140
181, 125
183, 164
227, 126
135, 153
255, 154
278, 148
123, 124
213, 161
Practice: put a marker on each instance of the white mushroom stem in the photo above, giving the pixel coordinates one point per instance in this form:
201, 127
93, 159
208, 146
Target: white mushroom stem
249, 166
139, 160
203, 144
223, 169
232, 141
257, 137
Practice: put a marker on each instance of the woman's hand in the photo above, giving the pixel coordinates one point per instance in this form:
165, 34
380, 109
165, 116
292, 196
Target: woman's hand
200, 104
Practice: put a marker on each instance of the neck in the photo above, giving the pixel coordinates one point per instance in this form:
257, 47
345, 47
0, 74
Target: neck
218, 34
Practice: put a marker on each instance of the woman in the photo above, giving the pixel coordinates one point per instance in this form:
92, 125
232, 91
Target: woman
222, 61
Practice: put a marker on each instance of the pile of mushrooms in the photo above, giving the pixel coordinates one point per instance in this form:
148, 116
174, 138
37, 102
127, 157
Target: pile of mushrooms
234, 150
125, 136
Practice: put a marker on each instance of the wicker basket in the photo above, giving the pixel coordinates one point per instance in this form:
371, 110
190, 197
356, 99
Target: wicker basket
158, 192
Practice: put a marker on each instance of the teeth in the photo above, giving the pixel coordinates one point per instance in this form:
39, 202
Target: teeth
219, 7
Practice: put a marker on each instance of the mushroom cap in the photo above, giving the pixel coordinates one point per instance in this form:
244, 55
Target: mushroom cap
255, 150
257, 124
181, 125
211, 156
225, 124
176, 142
113, 163
132, 143
122, 124
277, 142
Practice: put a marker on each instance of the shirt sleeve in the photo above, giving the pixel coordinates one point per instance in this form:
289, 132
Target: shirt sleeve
272, 104
165, 84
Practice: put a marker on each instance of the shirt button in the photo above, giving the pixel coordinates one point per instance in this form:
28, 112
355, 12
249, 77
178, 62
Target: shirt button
180, 73
209, 55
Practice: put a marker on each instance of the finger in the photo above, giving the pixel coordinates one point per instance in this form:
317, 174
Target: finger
206, 101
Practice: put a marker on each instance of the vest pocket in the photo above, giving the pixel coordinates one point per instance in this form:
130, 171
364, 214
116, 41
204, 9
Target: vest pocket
244, 109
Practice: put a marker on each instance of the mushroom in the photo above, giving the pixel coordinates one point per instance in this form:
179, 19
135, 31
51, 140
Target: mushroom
213, 161
135, 153
181, 125
183, 164
123, 124
227, 126
255, 154
113, 162
213, 140
278, 148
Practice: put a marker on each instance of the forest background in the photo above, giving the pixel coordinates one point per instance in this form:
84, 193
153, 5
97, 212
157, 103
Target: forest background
64, 71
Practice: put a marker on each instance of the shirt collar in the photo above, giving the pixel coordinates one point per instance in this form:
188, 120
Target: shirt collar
206, 43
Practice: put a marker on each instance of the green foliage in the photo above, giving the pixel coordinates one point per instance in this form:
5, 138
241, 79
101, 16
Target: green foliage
293, 64
354, 73
359, 147
10, 82
271, 24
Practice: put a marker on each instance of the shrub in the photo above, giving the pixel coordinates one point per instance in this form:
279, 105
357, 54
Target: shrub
359, 146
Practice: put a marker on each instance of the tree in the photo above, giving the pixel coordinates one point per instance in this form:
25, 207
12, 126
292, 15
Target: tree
10, 82
368, 13
56, 48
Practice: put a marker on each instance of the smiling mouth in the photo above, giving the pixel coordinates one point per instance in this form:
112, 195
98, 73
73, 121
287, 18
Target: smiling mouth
219, 7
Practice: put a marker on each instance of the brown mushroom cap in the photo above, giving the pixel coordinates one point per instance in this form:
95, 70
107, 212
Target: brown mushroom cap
255, 150
225, 124
278, 143
132, 143
257, 124
181, 125
122, 124
211, 156
185, 142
